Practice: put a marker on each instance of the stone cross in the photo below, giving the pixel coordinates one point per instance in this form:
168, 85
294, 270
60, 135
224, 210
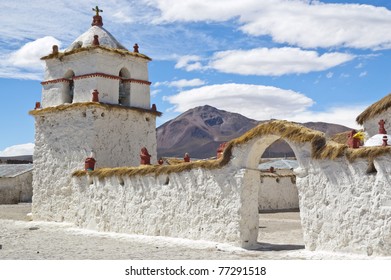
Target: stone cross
97, 10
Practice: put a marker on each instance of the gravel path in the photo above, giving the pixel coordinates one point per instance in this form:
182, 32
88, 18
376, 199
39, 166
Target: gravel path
280, 233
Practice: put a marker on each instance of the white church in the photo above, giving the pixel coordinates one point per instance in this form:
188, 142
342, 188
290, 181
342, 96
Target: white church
96, 104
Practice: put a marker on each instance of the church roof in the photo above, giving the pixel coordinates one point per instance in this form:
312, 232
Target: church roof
375, 109
96, 37
87, 38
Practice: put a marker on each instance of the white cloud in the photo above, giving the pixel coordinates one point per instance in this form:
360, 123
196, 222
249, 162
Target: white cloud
181, 83
28, 56
275, 61
253, 101
18, 150
363, 74
329, 75
25, 63
304, 23
343, 115
189, 63
262, 103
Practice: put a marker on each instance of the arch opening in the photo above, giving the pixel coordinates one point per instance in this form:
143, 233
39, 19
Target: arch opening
124, 88
69, 90
271, 162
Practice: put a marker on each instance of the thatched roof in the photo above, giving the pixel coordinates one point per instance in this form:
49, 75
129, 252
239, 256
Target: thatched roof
321, 149
123, 52
65, 107
341, 138
375, 109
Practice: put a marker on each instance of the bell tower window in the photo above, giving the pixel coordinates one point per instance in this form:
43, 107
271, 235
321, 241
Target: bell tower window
69, 90
124, 89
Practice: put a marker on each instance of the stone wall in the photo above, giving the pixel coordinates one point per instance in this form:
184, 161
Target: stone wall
16, 189
196, 204
345, 209
64, 139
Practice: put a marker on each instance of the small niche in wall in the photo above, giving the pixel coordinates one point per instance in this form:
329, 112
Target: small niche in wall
277, 180
102, 115
147, 119
167, 181
121, 181
261, 180
371, 170
293, 179
90, 180
84, 114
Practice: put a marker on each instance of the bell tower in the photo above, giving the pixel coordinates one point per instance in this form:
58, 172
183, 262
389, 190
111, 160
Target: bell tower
95, 99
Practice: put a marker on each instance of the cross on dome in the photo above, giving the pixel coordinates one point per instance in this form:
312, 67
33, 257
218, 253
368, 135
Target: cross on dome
97, 10
97, 19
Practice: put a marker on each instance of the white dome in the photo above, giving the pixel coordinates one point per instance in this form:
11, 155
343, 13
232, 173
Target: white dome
86, 39
377, 140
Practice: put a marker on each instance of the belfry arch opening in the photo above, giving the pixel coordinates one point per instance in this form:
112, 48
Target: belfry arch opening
70, 88
272, 162
124, 87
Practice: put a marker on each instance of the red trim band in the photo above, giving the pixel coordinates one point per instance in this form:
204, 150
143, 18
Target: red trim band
103, 75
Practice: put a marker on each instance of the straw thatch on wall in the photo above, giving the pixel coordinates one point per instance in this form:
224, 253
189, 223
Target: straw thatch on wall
60, 55
85, 105
321, 149
341, 138
375, 109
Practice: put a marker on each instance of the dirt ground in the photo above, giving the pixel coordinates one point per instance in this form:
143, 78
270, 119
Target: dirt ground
280, 237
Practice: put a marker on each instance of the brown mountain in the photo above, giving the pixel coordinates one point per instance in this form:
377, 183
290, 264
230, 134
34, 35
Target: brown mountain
201, 130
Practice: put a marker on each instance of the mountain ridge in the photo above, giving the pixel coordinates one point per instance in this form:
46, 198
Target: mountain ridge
199, 132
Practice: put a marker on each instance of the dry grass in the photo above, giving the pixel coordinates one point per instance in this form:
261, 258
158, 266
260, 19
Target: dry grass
331, 150
341, 138
367, 152
60, 55
375, 109
83, 105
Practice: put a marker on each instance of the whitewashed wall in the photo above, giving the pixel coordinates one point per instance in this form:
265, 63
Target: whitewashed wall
198, 204
345, 209
277, 193
17, 189
371, 126
64, 140
91, 62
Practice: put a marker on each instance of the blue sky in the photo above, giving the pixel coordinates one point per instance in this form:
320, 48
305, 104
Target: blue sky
298, 60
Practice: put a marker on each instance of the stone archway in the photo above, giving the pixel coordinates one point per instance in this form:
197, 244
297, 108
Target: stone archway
247, 157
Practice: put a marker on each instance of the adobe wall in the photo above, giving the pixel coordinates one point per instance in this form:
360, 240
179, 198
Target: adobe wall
196, 204
64, 139
344, 209
17, 189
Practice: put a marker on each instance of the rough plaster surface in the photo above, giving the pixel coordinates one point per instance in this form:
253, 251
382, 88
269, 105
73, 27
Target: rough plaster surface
65, 139
16, 189
199, 204
345, 209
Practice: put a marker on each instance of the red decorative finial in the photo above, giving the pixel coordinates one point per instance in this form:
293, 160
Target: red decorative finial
95, 96
385, 140
95, 42
381, 124
145, 157
135, 48
97, 19
186, 158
